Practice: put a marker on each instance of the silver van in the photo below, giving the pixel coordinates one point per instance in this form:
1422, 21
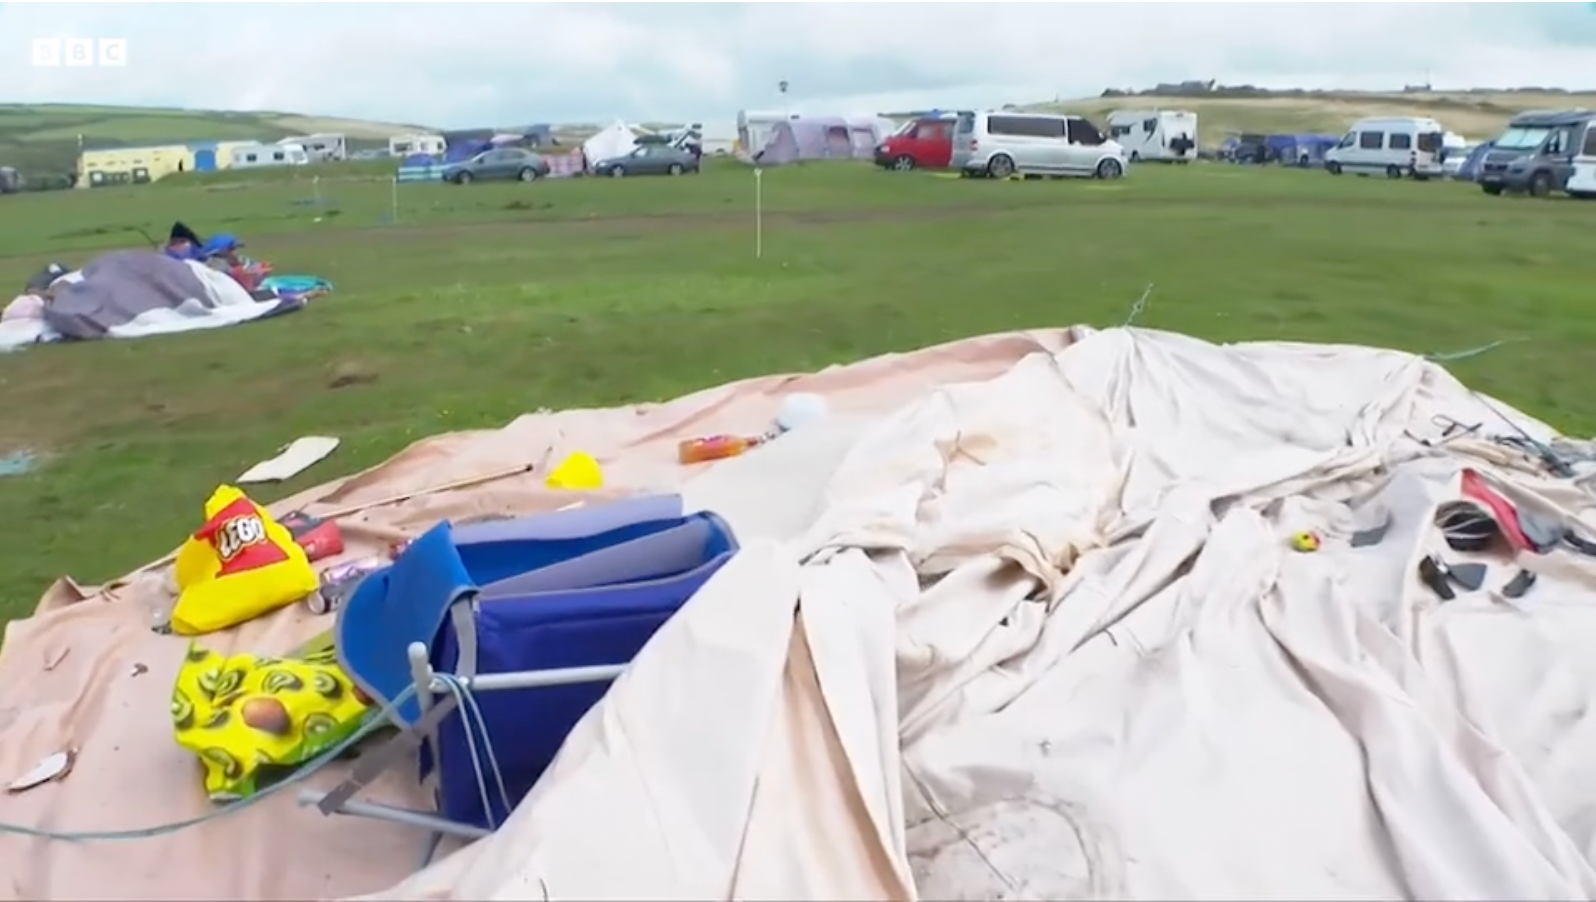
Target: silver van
999, 144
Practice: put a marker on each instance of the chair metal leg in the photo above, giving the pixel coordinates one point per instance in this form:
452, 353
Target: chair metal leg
435, 825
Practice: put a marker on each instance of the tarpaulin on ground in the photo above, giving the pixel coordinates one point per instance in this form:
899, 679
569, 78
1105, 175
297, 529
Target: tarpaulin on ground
1026, 618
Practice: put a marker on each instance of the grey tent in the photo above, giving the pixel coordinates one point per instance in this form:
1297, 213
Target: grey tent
147, 292
10, 180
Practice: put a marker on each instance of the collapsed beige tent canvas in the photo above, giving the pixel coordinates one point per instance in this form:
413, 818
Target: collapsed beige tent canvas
1022, 620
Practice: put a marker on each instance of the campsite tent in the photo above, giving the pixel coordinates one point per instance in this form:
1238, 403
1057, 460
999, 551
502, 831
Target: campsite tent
465, 149
1300, 150
818, 138
10, 180
613, 141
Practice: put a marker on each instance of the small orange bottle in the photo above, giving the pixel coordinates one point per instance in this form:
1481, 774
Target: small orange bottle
715, 447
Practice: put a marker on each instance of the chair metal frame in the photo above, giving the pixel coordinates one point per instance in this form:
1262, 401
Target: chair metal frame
435, 703
437, 696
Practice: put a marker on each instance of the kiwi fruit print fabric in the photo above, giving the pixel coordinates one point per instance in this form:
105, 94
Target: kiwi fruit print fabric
252, 719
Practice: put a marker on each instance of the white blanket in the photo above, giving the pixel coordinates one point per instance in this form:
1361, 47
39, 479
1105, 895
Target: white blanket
1044, 637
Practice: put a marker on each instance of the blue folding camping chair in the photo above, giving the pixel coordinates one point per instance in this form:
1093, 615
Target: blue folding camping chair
509, 632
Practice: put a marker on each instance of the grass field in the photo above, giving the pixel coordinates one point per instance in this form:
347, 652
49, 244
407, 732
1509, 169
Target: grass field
489, 301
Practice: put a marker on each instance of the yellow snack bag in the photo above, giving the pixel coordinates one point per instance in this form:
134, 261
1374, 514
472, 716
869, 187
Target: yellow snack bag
252, 718
239, 565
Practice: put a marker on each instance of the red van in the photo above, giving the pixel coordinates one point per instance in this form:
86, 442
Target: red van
925, 143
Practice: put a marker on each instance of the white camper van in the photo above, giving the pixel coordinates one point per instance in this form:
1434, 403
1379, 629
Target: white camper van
1396, 147
1582, 183
1168, 136
998, 144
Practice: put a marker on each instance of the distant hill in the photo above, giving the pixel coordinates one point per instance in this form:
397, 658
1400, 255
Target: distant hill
1476, 114
44, 137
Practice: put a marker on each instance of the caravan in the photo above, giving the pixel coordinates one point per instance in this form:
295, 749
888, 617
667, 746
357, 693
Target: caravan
320, 148
1396, 146
410, 145
1168, 136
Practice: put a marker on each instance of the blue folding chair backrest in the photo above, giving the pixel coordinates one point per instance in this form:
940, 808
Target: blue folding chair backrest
586, 601
569, 589
395, 607
409, 601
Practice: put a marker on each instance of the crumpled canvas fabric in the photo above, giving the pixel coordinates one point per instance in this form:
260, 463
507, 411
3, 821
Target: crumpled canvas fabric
1036, 631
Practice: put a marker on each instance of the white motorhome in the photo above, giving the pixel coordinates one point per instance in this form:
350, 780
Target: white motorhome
1167, 136
1393, 146
1582, 182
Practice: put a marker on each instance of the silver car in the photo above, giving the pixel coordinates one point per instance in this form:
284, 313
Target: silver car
649, 159
1000, 144
503, 164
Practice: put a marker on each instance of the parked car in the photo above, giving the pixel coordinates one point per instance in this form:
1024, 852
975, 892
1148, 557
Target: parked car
503, 164
924, 143
1000, 144
649, 159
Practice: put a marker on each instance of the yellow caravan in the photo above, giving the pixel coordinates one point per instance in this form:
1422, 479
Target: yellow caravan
132, 165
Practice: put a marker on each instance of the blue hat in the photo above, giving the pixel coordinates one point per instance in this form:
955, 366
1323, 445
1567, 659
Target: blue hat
220, 244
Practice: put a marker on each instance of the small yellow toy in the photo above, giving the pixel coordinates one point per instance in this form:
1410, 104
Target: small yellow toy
577, 473
1305, 541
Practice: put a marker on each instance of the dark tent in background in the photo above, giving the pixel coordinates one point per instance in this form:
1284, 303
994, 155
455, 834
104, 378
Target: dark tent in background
463, 149
529, 136
1300, 150
10, 180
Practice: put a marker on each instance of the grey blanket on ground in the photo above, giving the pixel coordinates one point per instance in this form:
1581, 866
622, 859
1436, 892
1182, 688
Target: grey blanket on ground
117, 288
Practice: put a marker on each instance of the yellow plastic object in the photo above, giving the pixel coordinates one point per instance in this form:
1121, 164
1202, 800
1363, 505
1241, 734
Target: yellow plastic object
237, 566
1305, 541
579, 472
253, 718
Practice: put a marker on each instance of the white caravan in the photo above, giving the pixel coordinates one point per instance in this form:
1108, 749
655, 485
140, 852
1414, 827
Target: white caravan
1394, 146
1168, 136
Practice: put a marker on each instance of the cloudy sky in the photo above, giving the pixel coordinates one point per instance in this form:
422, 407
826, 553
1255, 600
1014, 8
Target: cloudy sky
461, 64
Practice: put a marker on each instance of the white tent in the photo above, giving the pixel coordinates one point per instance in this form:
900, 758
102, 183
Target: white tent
614, 141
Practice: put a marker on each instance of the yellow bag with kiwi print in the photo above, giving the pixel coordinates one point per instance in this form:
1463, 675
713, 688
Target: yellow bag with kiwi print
253, 719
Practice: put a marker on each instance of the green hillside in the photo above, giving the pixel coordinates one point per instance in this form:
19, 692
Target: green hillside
43, 138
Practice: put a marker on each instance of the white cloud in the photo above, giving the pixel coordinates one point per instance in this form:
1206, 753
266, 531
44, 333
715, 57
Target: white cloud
459, 64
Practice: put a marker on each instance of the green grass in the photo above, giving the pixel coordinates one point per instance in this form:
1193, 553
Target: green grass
489, 301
